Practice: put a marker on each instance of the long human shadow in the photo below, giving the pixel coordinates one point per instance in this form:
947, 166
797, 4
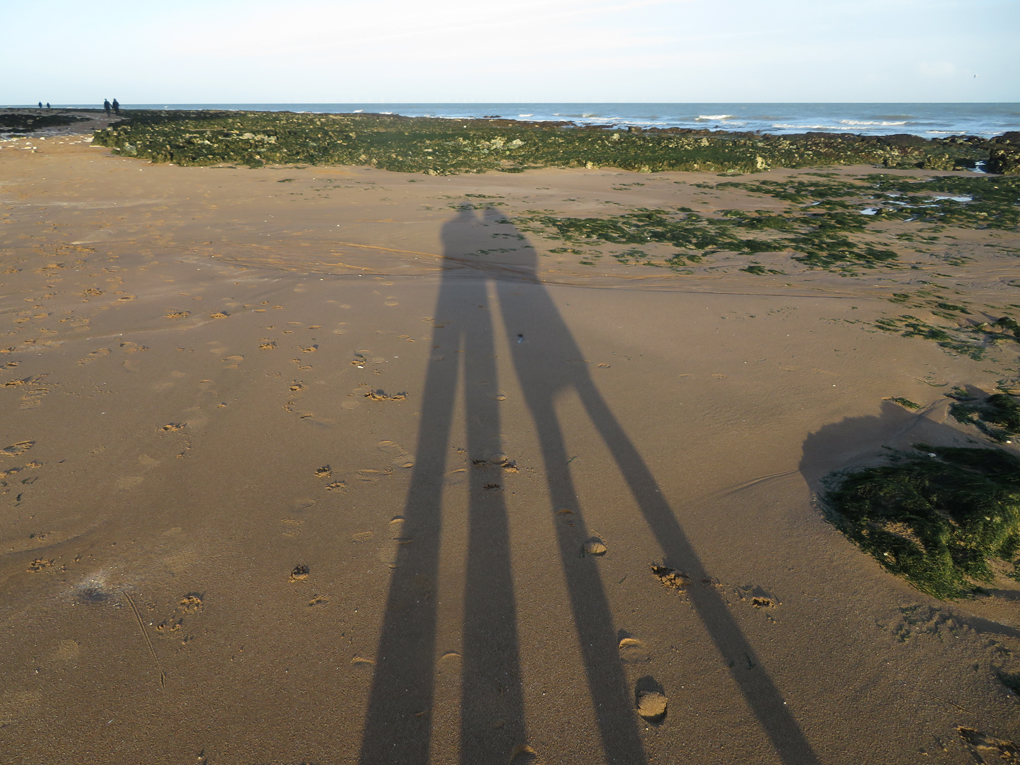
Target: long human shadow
544, 372
399, 719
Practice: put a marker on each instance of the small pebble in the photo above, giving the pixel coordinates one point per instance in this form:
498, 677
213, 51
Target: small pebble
595, 547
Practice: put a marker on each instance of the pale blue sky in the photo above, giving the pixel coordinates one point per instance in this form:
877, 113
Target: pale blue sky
339, 51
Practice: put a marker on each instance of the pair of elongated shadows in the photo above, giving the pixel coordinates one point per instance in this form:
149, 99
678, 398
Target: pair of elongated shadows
399, 719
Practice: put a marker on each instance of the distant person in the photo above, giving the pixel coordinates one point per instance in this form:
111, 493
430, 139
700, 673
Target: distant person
40, 104
116, 107
106, 106
48, 105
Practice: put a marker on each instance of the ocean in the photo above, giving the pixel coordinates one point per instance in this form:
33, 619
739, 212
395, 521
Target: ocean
926, 120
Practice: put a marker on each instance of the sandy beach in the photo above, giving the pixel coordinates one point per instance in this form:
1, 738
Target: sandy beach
338, 465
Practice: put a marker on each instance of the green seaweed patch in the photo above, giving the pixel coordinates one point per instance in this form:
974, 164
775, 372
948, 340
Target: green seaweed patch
816, 240
964, 201
967, 340
938, 517
760, 270
27, 123
997, 416
906, 403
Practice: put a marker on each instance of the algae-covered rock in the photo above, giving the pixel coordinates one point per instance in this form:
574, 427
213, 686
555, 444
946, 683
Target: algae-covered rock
1004, 159
444, 147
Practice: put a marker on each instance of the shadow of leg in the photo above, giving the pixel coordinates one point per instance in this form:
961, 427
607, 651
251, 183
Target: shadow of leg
529, 311
492, 708
399, 720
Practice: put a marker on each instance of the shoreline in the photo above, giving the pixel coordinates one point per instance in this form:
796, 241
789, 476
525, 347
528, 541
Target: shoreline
925, 120
882, 125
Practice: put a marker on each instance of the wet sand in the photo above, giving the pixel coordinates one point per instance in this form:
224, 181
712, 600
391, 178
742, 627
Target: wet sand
318, 465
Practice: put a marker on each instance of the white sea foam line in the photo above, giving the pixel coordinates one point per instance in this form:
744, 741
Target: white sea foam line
872, 122
810, 127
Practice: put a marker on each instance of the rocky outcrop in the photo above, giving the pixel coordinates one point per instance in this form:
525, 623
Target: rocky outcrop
1004, 155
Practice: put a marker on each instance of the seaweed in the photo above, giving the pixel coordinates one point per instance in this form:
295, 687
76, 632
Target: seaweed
998, 416
817, 241
971, 340
972, 201
26, 123
906, 403
445, 146
938, 516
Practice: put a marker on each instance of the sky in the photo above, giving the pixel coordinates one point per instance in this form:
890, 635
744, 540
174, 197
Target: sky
511, 51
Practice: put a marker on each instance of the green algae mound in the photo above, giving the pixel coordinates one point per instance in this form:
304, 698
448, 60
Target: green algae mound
448, 146
940, 517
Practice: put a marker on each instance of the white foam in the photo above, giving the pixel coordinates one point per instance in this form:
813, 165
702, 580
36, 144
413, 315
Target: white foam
879, 123
707, 117
782, 126
958, 199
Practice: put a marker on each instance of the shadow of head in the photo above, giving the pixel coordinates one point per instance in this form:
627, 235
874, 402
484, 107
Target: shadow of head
489, 242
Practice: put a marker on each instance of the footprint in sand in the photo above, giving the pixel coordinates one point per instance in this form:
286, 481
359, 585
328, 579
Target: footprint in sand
388, 554
368, 475
187, 606
524, 755
987, 749
94, 355
671, 578
633, 651
755, 596
32, 398
652, 706
17, 449
363, 664
399, 455
67, 650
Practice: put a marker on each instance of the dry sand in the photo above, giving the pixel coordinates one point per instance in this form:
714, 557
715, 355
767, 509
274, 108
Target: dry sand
292, 474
